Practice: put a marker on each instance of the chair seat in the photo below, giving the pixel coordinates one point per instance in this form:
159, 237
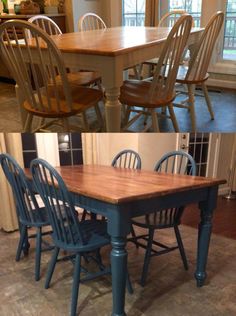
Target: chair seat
93, 233
136, 93
81, 78
162, 219
39, 218
83, 98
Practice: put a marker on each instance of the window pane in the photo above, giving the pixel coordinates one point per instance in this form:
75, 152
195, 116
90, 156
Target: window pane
191, 6
133, 12
229, 51
129, 6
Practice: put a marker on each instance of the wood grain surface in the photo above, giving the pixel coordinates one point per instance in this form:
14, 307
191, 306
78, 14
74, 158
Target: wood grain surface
117, 185
113, 41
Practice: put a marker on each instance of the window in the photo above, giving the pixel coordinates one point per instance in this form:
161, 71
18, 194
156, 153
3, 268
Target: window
133, 12
191, 6
229, 48
198, 149
29, 148
70, 149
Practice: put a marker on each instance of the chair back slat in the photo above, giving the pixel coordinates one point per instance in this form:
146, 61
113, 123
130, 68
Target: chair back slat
35, 62
200, 59
58, 202
26, 203
91, 21
46, 24
162, 87
127, 159
175, 162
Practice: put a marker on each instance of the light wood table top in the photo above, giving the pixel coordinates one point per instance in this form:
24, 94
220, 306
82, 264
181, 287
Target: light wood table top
113, 41
117, 185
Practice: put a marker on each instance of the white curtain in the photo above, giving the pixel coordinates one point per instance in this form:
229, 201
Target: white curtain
152, 13
10, 143
89, 146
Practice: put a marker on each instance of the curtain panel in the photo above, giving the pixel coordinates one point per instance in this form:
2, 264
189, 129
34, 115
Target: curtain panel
152, 13
10, 143
89, 146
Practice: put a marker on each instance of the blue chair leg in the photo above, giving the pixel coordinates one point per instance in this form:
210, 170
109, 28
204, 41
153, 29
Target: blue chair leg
147, 257
134, 236
181, 247
75, 286
38, 253
129, 284
51, 267
23, 230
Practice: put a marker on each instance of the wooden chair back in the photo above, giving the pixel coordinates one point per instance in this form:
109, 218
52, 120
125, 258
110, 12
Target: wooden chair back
35, 63
200, 59
58, 202
127, 159
46, 24
91, 21
26, 203
170, 18
162, 87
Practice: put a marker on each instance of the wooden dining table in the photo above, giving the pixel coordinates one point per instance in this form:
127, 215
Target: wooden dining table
121, 194
110, 51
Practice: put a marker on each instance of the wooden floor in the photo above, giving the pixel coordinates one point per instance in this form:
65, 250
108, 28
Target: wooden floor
224, 219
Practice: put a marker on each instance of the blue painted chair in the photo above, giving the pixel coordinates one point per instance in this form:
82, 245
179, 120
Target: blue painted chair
69, 234
127, 158
176, 162
29, 213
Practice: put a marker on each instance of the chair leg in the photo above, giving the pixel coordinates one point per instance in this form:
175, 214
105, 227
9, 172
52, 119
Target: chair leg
23, 231
75, 286
85, 121
147, 257
173, 117
84, 215
51, 267
28, 123
208, 100
181, 247
134, 236
129, 284
155, 123
38, 253
99, 117
127, 115
191, 90
66, 125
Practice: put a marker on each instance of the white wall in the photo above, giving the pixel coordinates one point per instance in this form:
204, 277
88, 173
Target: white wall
76, 8
149, 146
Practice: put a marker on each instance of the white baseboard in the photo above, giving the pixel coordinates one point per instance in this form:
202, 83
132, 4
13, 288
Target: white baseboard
221, 83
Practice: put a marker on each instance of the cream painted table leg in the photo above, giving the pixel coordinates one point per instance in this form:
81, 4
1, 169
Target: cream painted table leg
113, 110
112, 79
20, 99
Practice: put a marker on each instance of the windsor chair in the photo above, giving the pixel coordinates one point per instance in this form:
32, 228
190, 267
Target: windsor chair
176, 162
